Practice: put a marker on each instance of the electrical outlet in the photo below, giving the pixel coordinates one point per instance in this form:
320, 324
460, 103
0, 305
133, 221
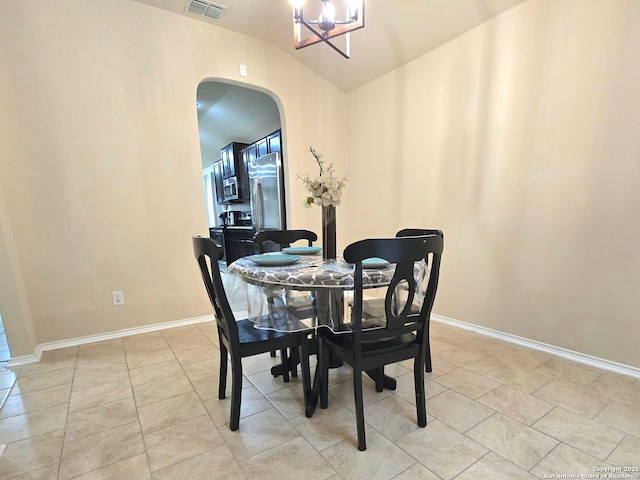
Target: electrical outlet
118, 297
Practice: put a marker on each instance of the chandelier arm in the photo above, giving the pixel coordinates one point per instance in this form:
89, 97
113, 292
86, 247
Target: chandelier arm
321, 38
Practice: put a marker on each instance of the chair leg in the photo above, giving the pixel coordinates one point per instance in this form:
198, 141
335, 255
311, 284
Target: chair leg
222, 382
427, 362
236, 393
273, 353
294, 360
284, 359
418, 375
380, 379
323, 365
357, 392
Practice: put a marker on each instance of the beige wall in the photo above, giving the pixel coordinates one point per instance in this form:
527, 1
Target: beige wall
100, 163
520, 140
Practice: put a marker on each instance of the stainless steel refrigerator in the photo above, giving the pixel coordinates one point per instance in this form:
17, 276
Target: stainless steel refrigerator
267, 192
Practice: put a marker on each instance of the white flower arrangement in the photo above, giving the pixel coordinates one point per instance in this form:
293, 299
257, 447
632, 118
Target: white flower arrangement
325, 189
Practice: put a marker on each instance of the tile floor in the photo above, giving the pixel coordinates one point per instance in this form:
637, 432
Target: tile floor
145, 407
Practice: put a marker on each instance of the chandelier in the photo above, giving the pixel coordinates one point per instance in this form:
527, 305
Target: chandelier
327, 27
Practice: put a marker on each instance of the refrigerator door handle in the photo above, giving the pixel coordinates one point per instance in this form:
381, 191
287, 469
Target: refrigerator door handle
257, 205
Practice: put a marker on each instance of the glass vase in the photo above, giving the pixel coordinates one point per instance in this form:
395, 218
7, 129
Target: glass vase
329, 232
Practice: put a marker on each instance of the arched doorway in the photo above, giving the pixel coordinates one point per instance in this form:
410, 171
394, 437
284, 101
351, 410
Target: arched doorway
234, 119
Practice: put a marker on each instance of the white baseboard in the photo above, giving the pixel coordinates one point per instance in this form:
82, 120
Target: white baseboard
553, 350
72, 342
507, 337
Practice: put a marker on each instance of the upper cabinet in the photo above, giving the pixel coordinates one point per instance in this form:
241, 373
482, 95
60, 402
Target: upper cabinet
231, 158
268, 144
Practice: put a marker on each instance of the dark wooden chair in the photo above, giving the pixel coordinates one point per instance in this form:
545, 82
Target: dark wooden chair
239, 338
403, 331
412, 232
282, 238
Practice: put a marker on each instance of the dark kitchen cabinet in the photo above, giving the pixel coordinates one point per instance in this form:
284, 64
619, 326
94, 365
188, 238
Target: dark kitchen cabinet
273, 142
239, 243
248, 154
231, 158
269, 144
216, 233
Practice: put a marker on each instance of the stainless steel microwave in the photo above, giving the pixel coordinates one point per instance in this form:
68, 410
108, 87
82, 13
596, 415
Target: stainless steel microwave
230, 189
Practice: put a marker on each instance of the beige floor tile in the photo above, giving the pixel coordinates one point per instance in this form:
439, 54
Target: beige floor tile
567, 371
343, 393
59, 354
42, 381
98, 419
417, 472
381, 460
139, 359
99, 395
622, 416
217, 464
467, 383
157, 371
518, 405
20, 427
48, 366
252, 402
135, 467
32, 454
617, 388
207, 387
586, 435
567, 460
144, 342
165, 413
441, 449
286, 461
626, 453
495, 467
392, 416
513, 440
87, 454
406, 390
164, 388
439, 367
571, 396
197, 355
188, 341
258, 433
203, 368
475, 362
181, 441
289, 401
457, 411
45, 473
101, 376
327, 427
518, 378
34, 401
522, 358
99, 358
441, 349
267, 383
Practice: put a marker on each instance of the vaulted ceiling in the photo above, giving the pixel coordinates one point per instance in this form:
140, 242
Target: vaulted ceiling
396, 31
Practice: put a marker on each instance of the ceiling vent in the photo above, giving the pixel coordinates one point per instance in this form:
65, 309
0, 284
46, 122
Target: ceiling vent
205, 9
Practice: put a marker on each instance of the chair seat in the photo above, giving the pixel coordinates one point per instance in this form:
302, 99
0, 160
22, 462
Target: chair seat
247, 333
374, 346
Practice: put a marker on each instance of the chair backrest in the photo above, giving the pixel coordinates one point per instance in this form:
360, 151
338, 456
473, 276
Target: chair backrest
404, 252
283, 238
207, 253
